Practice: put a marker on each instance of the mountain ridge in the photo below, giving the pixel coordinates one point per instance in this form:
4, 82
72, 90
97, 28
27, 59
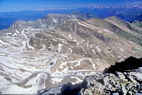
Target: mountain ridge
46, 51
125, 13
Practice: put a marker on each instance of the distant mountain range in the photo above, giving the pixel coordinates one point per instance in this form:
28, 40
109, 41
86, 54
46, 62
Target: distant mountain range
62, 48
129, 14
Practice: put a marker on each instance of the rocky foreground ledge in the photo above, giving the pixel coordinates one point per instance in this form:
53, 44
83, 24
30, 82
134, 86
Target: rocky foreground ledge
123, 78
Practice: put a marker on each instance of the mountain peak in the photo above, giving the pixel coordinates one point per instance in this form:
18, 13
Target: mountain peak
114, 18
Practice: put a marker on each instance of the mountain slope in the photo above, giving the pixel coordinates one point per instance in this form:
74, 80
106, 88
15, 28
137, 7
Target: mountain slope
61, 48
123, 78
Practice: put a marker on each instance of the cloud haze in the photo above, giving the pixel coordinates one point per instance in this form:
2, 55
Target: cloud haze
17, 5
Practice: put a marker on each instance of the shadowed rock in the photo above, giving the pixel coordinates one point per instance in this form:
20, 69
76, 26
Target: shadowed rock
129, 64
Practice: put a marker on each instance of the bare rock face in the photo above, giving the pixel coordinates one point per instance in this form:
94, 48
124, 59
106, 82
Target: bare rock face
62, 48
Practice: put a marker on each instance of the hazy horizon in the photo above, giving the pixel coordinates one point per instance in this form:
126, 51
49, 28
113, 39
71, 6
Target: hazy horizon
22, 5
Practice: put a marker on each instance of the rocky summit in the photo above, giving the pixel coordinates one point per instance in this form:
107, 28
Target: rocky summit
64, 48
110, 82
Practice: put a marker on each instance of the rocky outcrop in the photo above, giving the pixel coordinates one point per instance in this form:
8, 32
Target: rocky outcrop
125, 66
116, 82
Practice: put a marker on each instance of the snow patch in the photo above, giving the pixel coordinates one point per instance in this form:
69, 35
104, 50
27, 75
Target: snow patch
60, 47
98, 48
55, 20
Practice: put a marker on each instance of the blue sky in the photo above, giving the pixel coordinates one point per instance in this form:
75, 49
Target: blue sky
19, 5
